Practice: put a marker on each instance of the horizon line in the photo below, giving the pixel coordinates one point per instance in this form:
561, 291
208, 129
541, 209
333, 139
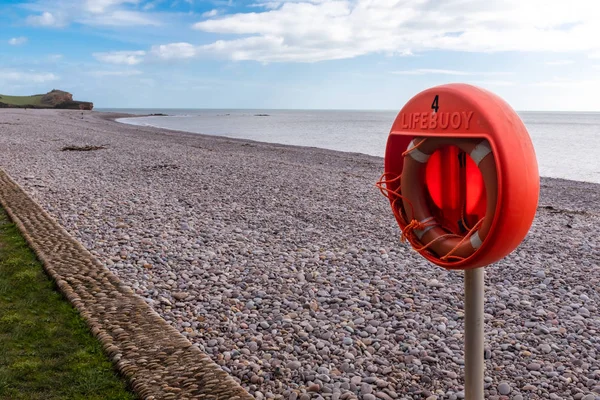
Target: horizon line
313, 109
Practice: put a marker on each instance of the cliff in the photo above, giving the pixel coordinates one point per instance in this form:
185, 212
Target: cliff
52, 99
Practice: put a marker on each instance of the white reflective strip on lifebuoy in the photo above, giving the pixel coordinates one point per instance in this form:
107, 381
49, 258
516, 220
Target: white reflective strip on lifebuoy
480, 151
475, 240
416, 154
420, 233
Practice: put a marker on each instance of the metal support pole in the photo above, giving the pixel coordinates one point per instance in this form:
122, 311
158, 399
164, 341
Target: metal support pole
474, 334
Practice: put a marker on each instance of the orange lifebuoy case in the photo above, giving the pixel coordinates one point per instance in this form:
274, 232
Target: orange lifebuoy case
454, 183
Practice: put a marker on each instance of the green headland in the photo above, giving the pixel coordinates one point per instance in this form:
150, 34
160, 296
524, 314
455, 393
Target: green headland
53, 99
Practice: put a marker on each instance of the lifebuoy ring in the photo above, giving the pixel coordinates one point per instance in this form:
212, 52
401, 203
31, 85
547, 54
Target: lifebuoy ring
423, 230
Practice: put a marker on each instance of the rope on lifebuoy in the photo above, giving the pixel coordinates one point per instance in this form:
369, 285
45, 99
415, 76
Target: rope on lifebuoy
415, 229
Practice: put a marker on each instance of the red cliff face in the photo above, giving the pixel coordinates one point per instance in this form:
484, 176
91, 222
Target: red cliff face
60, 99
56, 98
85, 105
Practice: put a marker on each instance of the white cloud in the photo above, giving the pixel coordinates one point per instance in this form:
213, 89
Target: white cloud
90, 12
16, 41
315, 30
210, 14
47, 19
119, 18
267, 4
485, 83
569, 83
427, 71
174, 51
101, 73
264, 49
560, 62
433, 71
101, 6
121, 57
273, 49
26, 77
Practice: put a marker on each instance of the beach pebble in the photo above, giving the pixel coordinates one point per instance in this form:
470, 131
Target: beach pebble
293, 365
540, 274
365, 388
504, 388
534, 366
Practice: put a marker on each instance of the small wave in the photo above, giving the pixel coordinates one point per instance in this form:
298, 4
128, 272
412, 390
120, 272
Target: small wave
135, 121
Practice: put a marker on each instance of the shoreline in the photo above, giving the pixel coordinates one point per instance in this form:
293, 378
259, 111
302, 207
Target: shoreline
283, 263
124, 115
208, 135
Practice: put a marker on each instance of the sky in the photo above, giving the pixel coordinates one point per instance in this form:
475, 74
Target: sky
301, 54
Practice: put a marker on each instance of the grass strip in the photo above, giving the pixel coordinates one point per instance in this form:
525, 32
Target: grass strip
22, 101
46, 349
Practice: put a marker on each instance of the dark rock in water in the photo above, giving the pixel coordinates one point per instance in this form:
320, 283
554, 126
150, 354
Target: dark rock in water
261, 115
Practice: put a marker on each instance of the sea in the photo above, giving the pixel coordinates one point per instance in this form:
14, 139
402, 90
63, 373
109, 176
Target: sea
567, 144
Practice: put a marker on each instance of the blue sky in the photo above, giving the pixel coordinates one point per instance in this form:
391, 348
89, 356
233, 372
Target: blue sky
334, 54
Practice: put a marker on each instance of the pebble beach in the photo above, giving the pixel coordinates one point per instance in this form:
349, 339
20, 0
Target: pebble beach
284, 263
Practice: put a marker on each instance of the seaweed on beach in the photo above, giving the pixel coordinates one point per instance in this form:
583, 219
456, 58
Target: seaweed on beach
160, 167
554, 210
83, 148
